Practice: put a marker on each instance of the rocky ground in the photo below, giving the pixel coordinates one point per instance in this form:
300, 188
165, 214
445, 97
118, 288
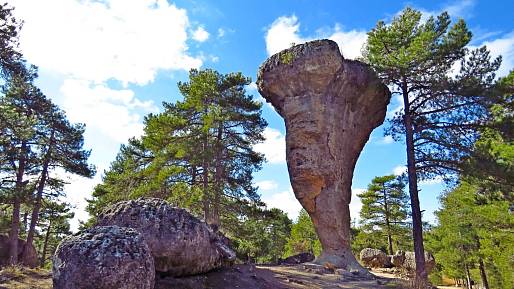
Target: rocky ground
238, 276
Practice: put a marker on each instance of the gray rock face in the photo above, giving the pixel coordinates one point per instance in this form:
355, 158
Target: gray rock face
104, 258
330, 106
180, 243
373, 258
398, 258
409, 263
30, 260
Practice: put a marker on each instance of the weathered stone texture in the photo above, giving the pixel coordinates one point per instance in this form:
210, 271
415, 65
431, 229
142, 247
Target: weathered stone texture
180, 243
330, 106
104, 258
373, 258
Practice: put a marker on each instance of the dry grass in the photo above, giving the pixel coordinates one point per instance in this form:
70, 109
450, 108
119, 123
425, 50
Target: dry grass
17, 277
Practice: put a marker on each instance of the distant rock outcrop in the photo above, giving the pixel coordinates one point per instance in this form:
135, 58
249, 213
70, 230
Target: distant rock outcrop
104, 257
30, 259
298, 259
373, 258
409, 263
330, 106
180, 243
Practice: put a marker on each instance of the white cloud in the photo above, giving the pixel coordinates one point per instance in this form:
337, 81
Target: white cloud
114, 113
285, 201
274, 147
76, 188
350, 42
267, 185
503, 46
282, 33
457, 9
399, 170
356, 204
127, 41
200, 34
285, 30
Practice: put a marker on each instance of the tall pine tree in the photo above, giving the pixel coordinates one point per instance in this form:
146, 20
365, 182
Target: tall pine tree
441, 114
384, 208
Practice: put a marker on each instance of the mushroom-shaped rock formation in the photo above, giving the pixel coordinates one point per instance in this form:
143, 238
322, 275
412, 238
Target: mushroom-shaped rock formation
330, 106
104, 258
180, 243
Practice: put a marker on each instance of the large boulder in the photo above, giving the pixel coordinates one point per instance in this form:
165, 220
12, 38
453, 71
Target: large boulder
373, 258
104, 258
180, 243
330, 106
409, 263
30, 259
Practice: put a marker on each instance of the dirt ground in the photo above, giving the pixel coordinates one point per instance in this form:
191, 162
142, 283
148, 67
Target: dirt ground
25, 278
238, 276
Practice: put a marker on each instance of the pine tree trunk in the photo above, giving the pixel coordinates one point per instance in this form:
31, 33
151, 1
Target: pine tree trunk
205, 184
483, 274
218, 177
14, 232
417, 226
468, 277
388, 225
15, 221
45, 244
39, 196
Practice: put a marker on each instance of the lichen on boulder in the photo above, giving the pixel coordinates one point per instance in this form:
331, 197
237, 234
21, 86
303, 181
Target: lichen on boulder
180, 243
104, 257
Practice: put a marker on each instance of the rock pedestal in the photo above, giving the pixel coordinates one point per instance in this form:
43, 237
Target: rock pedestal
330, 106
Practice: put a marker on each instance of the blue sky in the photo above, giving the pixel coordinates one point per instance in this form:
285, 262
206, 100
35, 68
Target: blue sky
109, 63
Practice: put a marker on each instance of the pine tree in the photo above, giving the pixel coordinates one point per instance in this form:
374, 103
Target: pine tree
441, 114
304, 238
384, 206
474, 233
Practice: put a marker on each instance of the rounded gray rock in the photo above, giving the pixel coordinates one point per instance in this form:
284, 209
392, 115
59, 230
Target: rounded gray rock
104, 258
373, 258
180, 243
409, 263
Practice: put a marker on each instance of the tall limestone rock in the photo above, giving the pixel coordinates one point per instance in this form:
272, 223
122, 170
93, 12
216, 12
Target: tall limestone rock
330, 106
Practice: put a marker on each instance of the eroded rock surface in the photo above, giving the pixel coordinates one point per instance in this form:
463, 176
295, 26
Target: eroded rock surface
373, 258
409, 263
330, 106
104, 258
180, 243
